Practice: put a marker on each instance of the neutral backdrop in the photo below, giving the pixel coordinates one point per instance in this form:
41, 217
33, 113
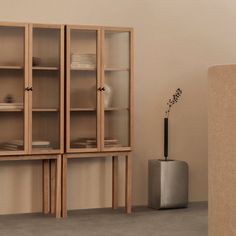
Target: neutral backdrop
175, 43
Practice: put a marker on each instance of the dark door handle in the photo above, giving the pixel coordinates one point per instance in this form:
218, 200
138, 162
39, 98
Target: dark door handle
28, 89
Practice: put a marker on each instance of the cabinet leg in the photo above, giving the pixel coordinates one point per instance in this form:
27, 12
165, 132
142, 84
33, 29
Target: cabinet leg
64, 187
46, 186
114, 182
58, 188
128, 184
53, 185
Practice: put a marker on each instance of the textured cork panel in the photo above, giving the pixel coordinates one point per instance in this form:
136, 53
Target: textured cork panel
222, 150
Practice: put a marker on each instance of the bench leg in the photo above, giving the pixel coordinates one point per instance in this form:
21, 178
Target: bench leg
114, 182
58, 187
64, 187
128, 183
46, 186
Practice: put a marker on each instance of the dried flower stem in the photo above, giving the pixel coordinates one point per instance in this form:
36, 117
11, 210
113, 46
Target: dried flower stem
172, 101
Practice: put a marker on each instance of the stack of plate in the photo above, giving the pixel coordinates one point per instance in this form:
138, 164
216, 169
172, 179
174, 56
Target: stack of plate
83, 61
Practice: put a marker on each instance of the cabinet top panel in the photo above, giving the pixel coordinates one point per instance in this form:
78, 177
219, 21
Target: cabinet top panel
94, 27
13, 24
69, 26
47, 26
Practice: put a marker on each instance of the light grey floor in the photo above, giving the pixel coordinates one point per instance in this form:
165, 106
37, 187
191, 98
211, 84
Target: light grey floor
143, 221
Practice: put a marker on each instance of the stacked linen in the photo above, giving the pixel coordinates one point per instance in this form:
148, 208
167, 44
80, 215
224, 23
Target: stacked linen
92, 143
15, 145
83, 61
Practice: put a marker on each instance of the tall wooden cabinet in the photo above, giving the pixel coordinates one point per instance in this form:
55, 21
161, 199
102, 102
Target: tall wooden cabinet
32, 100
99, 98
51, 115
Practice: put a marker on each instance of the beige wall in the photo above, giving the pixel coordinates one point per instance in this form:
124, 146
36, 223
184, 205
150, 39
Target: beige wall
175, 42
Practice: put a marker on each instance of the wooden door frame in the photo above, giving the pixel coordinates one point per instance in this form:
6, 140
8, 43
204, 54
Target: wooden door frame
25, 94
131, 86
68, 78
61, 86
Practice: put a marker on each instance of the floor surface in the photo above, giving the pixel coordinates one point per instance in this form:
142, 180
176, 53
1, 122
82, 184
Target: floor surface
191, 221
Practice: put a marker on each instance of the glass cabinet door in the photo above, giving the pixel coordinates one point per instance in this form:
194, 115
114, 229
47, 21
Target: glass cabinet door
117, 88
46, 89
83, 58
13, 80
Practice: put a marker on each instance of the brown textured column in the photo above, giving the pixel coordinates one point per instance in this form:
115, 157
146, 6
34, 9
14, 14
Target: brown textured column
222, 150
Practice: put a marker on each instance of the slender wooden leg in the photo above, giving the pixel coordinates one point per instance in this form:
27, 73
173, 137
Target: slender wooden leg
53, 185
114, 182
64, 187
128, 183
46, 187
58, 188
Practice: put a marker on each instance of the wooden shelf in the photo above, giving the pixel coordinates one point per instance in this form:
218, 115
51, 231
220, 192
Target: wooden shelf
45, 68
45, 109
11, 67
82, 109
110, 69
116, 109
12, 110
94, 109
83, 69
34, 110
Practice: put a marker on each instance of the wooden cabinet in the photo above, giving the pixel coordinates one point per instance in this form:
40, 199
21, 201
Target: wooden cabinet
99, 89
31, 89
98, 94
98, 118
99, 100
32, 101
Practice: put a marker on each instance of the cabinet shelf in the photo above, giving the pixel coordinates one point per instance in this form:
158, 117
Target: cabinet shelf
82, 109
45, 68
11, 67
94, 109
34, 110
12, 110
83, 69
110, 69
116, 109
45, 109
